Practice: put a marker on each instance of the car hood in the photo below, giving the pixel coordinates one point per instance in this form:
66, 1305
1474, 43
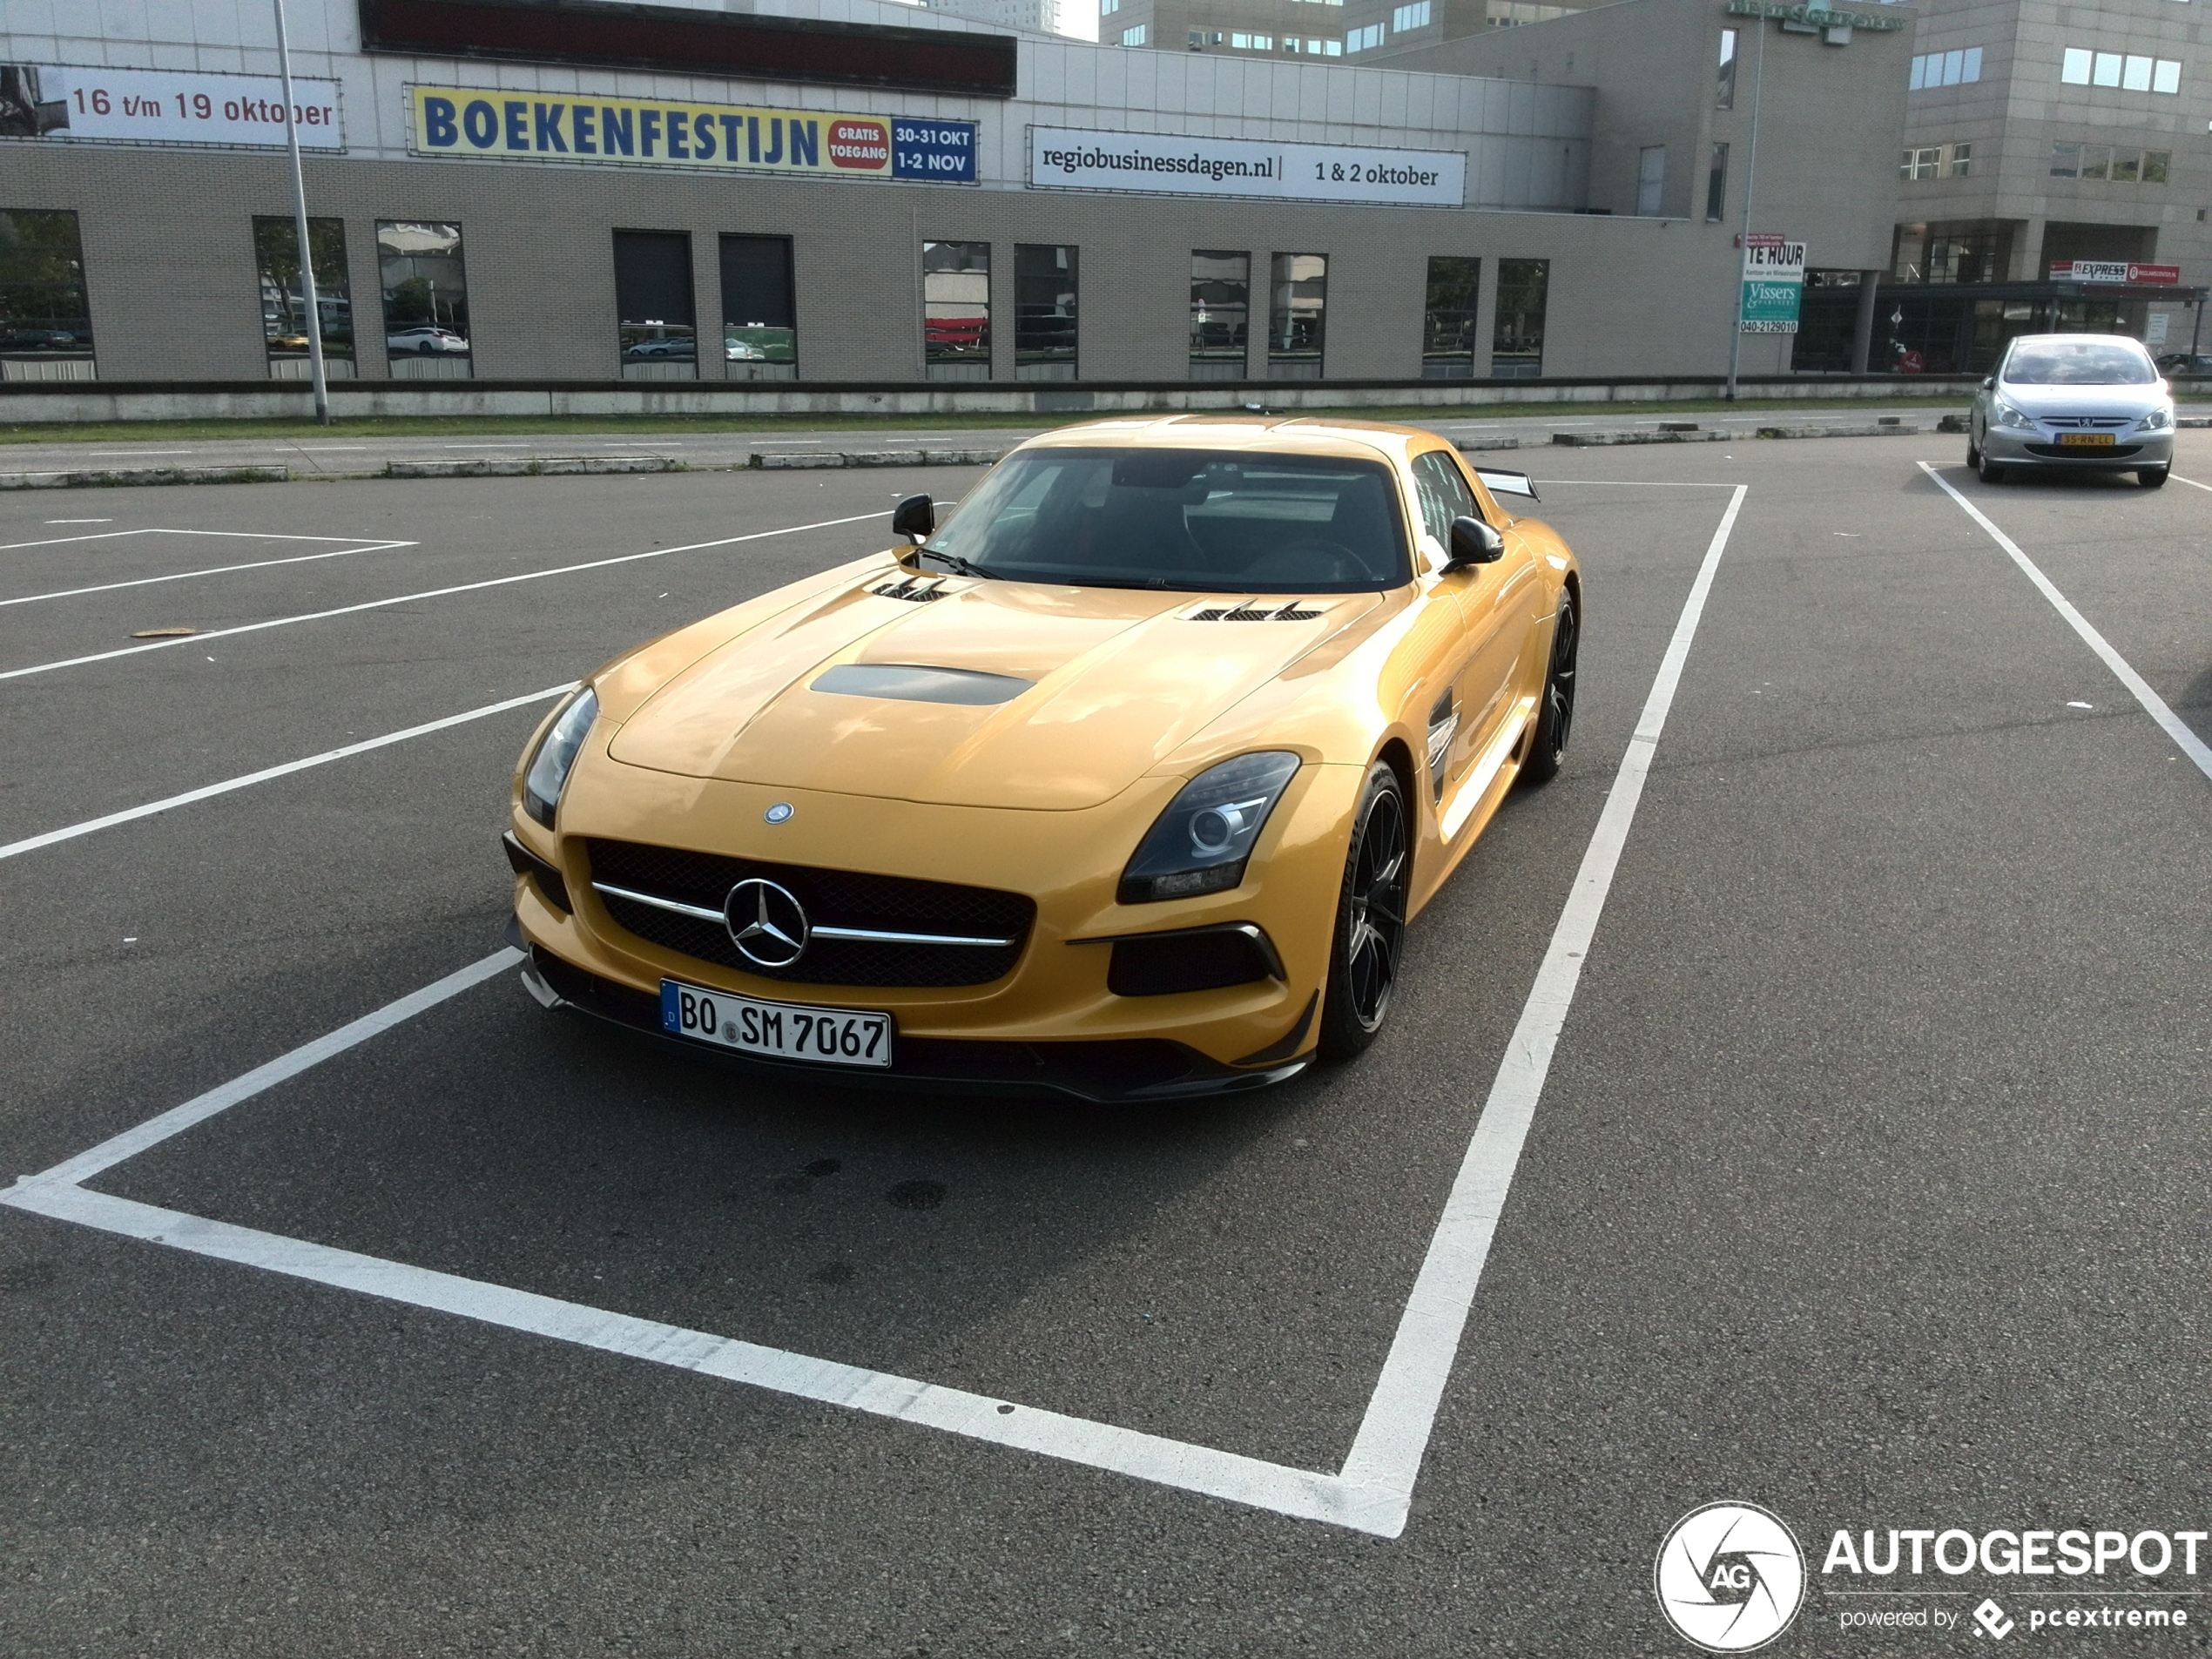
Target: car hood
2082, 400
1045, 698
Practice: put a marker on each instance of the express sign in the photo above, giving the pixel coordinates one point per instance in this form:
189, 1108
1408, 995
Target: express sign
2114, 271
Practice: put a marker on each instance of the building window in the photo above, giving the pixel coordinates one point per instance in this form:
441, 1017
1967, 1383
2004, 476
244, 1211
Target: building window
1921, 163
426, 299
2081, 67
2157, 163
1447, 324
1960, 68
1651, 179
1517, 336
2104, 164
956, 310
1221, 302
1316, 48
1044, 312
1724, 88
1406, 18
655, 325
1716, 186
45, 323
1135, 36
284, 308
1107, 8
1297, 299
759, 319
1362, 40
1960, 159
1253, 43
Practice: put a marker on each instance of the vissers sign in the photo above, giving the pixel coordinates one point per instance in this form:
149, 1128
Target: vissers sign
1172, 165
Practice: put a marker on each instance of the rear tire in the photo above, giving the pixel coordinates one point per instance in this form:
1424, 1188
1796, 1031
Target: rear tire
1371, 920
2153, 477
1990, 472
1556, 709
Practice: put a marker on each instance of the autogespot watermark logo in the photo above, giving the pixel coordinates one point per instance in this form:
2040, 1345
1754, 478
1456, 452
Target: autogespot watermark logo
1729, 1577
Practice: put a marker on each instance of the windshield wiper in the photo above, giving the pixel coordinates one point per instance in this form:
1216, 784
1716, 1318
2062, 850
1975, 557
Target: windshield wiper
958, 566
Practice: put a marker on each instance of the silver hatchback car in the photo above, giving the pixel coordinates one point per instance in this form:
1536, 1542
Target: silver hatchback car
2073, 403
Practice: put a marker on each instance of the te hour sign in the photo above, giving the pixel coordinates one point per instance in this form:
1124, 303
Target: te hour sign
1774, 283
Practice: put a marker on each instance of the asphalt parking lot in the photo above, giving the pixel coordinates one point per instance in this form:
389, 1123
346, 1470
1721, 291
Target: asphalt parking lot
1866, 1181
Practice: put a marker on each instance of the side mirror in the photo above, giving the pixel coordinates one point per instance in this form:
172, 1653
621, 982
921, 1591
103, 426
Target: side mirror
1989, 384
1473, 543
914, 518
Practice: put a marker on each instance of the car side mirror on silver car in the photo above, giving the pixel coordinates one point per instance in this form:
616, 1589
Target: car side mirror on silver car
1989, 384
1473, 543
914, 518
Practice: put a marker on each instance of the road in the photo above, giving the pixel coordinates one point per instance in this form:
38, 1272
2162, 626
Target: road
1865, 1183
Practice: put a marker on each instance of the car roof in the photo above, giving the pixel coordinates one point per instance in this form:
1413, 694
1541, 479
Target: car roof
1282, 433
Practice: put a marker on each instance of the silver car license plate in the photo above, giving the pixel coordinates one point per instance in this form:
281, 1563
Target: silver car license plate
781, 1030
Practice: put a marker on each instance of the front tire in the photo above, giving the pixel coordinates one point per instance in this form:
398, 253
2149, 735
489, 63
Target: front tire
1556, 710
1371, 920
1989, 471
2153, 477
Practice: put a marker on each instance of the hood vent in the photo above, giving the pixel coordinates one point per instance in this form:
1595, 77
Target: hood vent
920, 590
1248, 611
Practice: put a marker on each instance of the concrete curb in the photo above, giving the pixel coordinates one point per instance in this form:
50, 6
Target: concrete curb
532, 466
1878, 429
1601, 439
834, 458
112, 477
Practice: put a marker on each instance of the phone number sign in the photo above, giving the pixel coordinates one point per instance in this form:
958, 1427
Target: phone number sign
1774, 284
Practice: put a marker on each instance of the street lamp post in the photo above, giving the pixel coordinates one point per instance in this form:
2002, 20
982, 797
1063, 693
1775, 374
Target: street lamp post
308, 295
1744, 241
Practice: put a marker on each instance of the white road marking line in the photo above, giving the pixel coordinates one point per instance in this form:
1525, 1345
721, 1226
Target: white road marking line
80, 520
63, 541
1634, 484
1394, 1435
208, 792
2191, 483
1373, 1493
431, 593
2153, 705
159, 530
215, 570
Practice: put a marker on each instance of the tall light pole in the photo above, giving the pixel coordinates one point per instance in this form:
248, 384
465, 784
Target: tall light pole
1742, 241
308, 295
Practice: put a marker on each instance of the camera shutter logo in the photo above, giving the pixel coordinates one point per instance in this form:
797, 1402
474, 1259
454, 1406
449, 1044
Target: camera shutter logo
1729, 1577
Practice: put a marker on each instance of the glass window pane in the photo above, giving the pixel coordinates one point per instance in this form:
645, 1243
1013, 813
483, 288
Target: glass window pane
1962, 159
1920, 73
44, 312
1716, 186
655, 324
1297, 296
956, 310
1220, 314
2134, 74
2096, 160
1517, 336
2074, 68
284, 308
1448, 320
2167, 78
425, 292
1724, 89
1651, 179
1442, 491
2157, 163
2127, 166
1044, 312
2105, 71
760, 320
2066, 160
1973, 70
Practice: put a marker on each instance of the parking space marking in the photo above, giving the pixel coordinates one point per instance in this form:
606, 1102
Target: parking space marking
1373, 1492
2191, 483
212, 570
2153, 705
208, 792
432, 593
163, 529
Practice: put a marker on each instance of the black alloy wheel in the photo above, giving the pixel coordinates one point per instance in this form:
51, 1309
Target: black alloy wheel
1989, 471
1371, 919
1555, 713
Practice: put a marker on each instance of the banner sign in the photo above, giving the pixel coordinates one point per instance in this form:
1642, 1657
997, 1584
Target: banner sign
486, 125
1774, 281
1818, 17
1169, 164
2113, 271
165, 107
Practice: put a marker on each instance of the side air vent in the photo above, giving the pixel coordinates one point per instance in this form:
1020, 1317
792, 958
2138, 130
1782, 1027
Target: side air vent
920, 590
1248, 611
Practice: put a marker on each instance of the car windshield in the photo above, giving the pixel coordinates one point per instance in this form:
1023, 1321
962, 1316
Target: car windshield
1200, 519
2079, 363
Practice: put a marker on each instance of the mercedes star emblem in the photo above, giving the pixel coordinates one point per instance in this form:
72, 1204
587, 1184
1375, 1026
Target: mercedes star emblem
767, 924
780, 813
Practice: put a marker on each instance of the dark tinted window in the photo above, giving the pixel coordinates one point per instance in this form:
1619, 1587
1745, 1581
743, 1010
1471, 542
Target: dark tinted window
42, 310
653, 295
1211, 520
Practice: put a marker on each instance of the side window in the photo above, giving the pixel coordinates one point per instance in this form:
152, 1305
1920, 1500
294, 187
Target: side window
1444, 495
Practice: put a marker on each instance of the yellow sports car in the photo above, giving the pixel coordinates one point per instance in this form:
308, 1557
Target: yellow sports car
1123, 781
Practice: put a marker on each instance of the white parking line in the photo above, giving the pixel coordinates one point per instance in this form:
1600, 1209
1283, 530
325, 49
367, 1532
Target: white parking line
159, 529
2155, 705
2191, 483
208, 792
430, 593
212, 570
1373, 1493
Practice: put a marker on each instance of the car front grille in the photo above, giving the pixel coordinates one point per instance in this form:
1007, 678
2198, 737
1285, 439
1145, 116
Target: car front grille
847, 899
2069, 452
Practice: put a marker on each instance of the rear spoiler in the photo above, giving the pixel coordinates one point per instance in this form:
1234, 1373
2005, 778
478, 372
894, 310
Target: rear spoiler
1508, 484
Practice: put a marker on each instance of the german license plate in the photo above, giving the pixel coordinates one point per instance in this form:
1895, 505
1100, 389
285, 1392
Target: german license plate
781, 1030
2085, 439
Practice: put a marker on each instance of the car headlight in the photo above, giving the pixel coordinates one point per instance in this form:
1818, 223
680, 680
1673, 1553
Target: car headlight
2007, 415
1199, 845
557, 752
2156, 420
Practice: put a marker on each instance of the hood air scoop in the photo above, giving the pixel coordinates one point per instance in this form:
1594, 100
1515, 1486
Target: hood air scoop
914, 683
